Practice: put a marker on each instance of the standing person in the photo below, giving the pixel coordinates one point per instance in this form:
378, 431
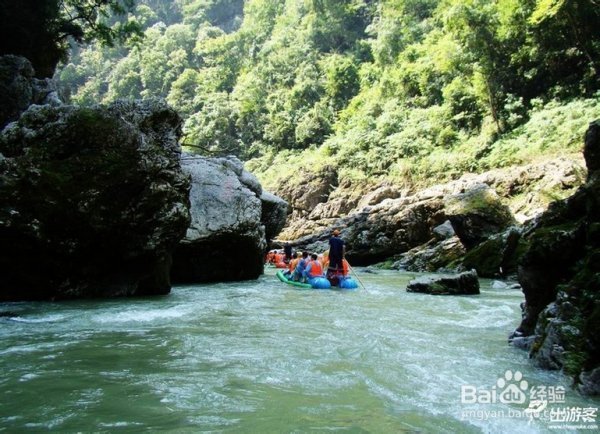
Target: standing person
287, 249
337, 252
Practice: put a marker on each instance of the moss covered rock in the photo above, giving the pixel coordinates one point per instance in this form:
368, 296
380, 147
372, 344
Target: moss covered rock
465, 283
477, 214
560, 276
92, 201
497, 256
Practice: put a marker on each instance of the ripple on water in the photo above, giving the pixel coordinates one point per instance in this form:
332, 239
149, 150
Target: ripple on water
261, 357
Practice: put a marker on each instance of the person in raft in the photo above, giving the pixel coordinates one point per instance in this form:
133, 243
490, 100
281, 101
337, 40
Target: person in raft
314, 268
293, 264
337, 252
299, 271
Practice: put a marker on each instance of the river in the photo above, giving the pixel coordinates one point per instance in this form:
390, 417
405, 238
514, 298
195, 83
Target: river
262, 357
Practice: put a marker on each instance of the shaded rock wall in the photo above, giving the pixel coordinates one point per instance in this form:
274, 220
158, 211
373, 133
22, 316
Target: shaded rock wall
92, 201
560, 276
19, 89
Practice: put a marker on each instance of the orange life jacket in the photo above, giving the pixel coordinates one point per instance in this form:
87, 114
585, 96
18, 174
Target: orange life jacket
345, 267
316, 270
293, 264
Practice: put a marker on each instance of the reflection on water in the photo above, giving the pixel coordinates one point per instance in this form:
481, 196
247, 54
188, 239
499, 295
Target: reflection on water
264, 357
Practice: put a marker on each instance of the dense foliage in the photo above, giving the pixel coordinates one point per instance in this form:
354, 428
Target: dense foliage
416, 90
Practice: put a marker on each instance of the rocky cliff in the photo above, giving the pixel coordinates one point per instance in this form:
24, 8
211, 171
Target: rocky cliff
478, 211
20, 89
560, 275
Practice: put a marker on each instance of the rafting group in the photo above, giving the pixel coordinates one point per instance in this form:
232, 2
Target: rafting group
307, 270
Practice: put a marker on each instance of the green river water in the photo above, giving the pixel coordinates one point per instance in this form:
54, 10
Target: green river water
262, 357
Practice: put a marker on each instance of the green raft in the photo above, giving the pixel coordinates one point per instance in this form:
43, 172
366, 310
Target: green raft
284, 279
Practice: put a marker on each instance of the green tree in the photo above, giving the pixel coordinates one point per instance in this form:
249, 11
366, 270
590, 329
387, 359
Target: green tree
342, 80
212, 129
41, 29
567, 37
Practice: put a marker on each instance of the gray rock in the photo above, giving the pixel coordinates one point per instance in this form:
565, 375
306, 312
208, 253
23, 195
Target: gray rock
523, 342
390, 218
226, 239
94, 201
432, 256
274, 214
465, 283
444, 231
590, 382
16, 76
19, 88
306, 190
549, 353
379, 195
497, 256
477, 214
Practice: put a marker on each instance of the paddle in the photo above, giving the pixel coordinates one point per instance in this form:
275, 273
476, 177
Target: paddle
356, 275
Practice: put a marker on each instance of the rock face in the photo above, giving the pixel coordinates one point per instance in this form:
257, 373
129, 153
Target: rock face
497, 256
19, 88
230, 213
433, 256
309, 190
560, 276
382, 221
462, 284
93, 201
476, 214
274, 214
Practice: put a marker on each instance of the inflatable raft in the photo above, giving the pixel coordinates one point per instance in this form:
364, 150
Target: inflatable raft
318, 282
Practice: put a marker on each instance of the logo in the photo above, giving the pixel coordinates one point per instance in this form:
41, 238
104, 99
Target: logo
537, 403
509, 389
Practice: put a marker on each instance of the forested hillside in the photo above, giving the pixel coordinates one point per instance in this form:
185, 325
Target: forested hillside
415, 91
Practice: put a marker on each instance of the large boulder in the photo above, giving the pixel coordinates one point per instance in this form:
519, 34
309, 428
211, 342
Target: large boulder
20, 89
92, 201
432, 256
465, 283
226, 238
477, 214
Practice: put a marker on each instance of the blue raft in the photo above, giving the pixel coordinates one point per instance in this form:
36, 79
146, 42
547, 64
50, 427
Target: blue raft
318, 282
